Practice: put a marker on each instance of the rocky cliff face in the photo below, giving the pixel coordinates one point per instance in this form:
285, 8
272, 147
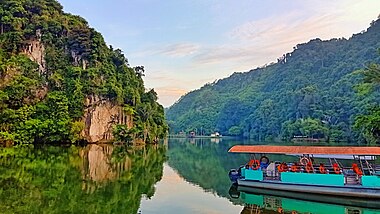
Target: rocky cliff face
99, 118
35, 50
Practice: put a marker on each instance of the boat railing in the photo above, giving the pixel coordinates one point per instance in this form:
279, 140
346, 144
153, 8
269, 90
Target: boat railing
351, 178
275, 174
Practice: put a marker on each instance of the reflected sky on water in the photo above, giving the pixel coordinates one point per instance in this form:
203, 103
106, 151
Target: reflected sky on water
175, 195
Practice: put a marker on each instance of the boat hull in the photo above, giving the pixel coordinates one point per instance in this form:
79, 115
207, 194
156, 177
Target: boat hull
352, 202
343, 191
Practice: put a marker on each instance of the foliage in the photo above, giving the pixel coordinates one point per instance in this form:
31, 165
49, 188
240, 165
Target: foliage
43, 101
369, 124
308, 127
122, 133
309, 91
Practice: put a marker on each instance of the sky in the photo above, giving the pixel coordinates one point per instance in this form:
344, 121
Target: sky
185, 44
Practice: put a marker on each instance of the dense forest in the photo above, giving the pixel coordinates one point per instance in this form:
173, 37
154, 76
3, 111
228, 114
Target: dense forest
50, 62
322, 90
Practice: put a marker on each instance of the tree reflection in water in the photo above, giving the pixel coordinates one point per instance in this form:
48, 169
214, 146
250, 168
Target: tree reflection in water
91, 179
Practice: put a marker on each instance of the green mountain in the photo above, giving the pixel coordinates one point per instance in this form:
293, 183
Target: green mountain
312, 91
56, 72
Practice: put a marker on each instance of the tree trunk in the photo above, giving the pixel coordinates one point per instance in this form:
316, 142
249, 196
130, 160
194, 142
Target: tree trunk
145, 133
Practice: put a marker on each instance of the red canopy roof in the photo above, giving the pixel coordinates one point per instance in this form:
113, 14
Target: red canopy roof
311, 150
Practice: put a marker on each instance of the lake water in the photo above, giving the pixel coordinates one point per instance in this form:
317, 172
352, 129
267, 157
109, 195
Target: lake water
177, 176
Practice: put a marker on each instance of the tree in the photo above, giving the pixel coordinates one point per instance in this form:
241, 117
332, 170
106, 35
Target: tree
234, 131
372, 74
369, 124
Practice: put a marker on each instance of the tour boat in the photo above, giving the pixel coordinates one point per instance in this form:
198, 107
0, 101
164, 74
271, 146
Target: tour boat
330, 176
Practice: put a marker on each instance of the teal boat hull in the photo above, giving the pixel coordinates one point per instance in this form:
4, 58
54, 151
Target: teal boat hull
352, 202
343, 191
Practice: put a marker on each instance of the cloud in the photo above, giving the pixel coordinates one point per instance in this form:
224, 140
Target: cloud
261, 41
179, 50
277, 29
166, 94
173, 50
171, 91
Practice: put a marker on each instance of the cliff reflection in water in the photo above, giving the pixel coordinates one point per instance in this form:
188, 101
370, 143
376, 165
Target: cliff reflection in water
91, 179
99, 164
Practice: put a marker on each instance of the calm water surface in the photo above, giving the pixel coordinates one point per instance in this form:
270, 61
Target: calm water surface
178, 176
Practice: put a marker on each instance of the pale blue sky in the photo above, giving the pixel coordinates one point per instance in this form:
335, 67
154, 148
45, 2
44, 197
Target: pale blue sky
184, 44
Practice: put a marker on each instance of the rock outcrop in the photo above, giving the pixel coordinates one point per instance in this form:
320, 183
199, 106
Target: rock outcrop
99, 118
35, 50
78, 60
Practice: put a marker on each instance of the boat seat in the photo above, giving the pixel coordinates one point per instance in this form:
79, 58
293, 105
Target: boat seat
349, 172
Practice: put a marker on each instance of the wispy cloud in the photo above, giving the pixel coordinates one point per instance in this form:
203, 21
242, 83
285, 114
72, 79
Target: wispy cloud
257, 42
177, 50
180, 50
166, 94
280, 28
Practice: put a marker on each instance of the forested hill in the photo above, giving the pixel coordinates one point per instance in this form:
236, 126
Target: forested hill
54, 68
311, 91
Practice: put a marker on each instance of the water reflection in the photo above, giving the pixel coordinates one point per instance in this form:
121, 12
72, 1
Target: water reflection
121, 179
259, 201
174, 195
97, 164
91, 179
206, 164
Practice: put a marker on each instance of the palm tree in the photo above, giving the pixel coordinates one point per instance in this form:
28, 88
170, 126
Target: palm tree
145, 112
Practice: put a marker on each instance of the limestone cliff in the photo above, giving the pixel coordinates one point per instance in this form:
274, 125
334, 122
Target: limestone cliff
35, 50
99, 118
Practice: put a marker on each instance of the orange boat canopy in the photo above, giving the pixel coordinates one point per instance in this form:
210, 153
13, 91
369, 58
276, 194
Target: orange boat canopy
311, 150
